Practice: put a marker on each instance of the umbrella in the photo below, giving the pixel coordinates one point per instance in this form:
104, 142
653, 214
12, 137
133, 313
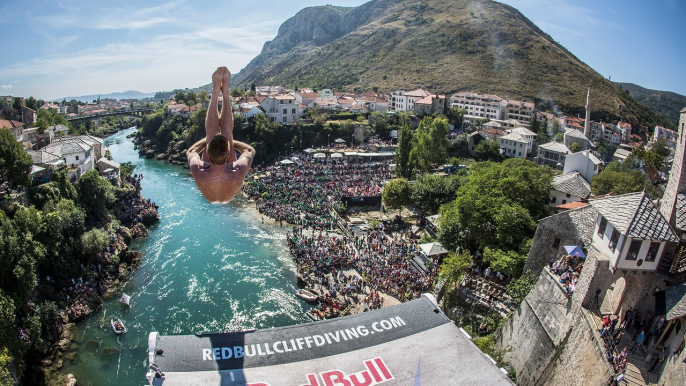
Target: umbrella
574, 251
336, 155
309, 151
320, 155
295, 158
287, 162
339, 140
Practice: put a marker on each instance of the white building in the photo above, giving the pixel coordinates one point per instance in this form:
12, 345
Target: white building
529, 135
584, 162
478, 105
669, 136
306, 98
80, 153
404, 100
552, 154
514, 145
521, 111
569, 187
282, 108
625, 131
631, 231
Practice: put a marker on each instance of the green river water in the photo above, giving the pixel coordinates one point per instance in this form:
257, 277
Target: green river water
206, 268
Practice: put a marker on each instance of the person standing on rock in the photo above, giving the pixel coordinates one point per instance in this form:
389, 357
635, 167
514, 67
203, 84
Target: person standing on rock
218, 174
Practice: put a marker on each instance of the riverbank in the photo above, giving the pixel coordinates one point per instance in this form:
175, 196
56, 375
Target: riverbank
98, 282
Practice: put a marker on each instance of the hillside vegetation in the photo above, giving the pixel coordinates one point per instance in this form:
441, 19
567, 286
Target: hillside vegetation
442, 46
667, 103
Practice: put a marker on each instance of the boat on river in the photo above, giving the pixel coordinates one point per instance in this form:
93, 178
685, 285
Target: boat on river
307, 295
118, 326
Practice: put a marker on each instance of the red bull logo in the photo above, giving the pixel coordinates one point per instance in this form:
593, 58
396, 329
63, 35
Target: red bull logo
376, 372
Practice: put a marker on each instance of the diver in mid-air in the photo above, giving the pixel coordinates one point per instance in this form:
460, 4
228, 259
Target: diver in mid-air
218, 174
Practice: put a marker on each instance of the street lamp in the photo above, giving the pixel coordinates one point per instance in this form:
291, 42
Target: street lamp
328, 141
300, 130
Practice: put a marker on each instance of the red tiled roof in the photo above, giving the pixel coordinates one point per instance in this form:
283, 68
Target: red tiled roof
572, 205
9, 124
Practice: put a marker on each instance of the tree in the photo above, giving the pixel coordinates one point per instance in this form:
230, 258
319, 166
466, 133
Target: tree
456, 116
93, 241
396, 193
430, 144
575, 147
430, 191
31, 103
520, 287
453, 268
17, 103
47, 118
488, 151
509, 262
402, 153
497, 207
554, 127
6, 378
15, 162
96, 194
619, 178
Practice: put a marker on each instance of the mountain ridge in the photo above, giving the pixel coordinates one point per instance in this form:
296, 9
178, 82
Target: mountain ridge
129, 94
445, 47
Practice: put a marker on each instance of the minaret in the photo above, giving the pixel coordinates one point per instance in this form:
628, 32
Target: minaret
677, 176
587, 123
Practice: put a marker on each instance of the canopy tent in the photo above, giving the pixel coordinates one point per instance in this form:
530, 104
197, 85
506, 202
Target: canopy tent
320, 155
339, 140
350, 153
310, 151
433, 249
574, 251
35, 169
286, 162
336, 155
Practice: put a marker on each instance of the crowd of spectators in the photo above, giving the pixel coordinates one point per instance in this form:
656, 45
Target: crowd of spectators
568, 268
305, 192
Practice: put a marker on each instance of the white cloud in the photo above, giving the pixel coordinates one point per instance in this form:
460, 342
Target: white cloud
6, 86
116, 23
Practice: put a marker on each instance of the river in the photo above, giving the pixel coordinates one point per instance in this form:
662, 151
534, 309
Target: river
206, 268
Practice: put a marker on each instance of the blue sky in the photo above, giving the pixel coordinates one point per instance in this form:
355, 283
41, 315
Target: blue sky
62, 48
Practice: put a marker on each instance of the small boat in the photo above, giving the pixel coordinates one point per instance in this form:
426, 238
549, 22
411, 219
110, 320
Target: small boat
316, 314
307, 295
118, 326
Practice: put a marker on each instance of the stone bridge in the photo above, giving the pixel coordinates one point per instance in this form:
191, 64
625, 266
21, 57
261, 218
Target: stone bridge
130, 112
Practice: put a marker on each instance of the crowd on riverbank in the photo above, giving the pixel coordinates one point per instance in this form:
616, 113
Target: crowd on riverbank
306, 191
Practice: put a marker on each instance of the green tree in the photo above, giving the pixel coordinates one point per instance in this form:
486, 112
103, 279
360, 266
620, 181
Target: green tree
15, 162
554, 127
96, 194
31, 103
430, 191
509, 262
453, 268
94, 241
575, 147
488, 151
47, 118
126, 169
619, 178
18, 276
8, 328
456, 116
520, 287
402, 153
396, 194
6, 378
430, 144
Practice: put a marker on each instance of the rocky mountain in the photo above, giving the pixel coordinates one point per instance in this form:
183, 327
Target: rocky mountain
442, 46
667, 103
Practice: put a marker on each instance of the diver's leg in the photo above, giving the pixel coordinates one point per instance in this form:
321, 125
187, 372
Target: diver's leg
226, 117
212, 119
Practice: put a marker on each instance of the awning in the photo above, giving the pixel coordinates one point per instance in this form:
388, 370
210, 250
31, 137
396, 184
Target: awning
320, 155
35, 169
336, 155
574, 251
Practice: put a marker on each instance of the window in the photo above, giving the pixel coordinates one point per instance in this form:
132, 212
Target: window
284, 119
568, 195
77, 157
634, 248
293, 111
564, 202
613, 240
652, 251
553, 199
285, 111
556, 243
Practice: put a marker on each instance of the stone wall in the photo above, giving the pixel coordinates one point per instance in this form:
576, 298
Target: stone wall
673, 370
574, 227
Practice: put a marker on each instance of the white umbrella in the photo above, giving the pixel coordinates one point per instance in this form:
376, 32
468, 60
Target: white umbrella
287, 162
295, 158
339, 140
336, 155
320, 155
309, 151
